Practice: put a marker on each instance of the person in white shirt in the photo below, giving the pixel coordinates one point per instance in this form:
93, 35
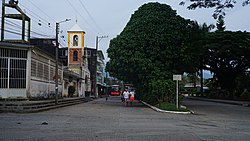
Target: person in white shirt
126, 96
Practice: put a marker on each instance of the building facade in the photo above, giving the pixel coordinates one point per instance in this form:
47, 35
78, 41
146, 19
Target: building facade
96, 66
77, 63
28, 71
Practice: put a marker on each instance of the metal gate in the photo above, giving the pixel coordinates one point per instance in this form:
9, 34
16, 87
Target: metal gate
13, 66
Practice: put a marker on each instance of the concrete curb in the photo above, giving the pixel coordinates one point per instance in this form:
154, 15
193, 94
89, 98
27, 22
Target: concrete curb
38, 106
241, 103
164, 111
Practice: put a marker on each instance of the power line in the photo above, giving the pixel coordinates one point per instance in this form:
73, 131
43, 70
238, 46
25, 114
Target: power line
19, 26
41, 20
81, 15
16, 32
39, 23
41, 10
90, 16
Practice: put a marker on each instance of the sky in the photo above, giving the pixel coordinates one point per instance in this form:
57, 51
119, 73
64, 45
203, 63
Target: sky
105, 18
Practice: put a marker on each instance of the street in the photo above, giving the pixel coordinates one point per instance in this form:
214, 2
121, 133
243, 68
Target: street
111, 121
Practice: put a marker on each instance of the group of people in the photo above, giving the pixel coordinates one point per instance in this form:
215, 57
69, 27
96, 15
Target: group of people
128, 97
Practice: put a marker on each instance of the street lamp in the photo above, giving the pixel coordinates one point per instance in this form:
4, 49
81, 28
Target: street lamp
57, 46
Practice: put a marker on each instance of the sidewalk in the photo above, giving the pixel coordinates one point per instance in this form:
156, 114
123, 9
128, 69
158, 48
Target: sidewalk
233, 102
27, 106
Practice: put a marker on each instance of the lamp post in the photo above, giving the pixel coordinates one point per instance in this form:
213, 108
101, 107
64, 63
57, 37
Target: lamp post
98, 39
56, 72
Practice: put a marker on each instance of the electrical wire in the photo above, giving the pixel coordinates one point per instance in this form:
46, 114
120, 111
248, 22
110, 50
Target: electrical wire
98, 27
81, 16
16, 32
19, 26
41, 20
41, 10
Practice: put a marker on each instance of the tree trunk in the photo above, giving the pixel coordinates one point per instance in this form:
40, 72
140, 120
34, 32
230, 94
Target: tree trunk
227, 81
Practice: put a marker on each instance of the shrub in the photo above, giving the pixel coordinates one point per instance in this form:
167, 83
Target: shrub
170, 107
245, 95
163, 90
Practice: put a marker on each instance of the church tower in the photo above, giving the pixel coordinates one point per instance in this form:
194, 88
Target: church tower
75, 48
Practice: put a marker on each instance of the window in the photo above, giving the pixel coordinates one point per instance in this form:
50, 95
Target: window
66, 52
52, 73
75, 40
17, 73
40, 70
33, 68
46, 72
3, 72
87, 53
75, 56
13, 65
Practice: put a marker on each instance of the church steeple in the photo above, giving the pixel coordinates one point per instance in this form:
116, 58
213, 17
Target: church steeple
75, 44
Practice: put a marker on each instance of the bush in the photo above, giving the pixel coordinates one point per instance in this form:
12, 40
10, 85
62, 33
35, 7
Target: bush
170, 107
149, 98
245, 95
163, 90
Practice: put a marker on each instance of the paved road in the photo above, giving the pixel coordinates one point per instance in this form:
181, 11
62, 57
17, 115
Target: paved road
111, 121
217, 121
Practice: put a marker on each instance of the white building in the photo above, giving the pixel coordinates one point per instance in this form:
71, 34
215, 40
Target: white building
28, 72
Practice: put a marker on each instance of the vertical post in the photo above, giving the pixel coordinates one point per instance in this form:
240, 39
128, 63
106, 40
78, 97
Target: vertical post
96, 42
95, 77
28, 31
177, 78
2, 24
106, 83
201, 81
56, 70
177, 94
23, 28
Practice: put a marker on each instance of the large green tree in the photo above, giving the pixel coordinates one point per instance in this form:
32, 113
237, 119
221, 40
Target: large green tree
195, 51
150, 47
227, 55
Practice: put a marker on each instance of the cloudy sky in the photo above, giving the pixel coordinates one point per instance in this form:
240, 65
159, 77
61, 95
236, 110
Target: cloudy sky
105, 18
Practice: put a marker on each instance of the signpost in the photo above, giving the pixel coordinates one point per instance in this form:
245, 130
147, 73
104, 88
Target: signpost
177, 78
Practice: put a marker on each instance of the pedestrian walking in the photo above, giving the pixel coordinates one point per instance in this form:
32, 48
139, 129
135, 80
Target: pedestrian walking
126, 97
132, 97
122, 98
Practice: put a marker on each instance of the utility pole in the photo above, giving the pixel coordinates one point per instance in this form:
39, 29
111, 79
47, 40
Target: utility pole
56, 73
3, 15
56, 68
98, 39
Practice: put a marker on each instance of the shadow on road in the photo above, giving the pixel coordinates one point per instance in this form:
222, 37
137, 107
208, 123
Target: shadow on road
116, 101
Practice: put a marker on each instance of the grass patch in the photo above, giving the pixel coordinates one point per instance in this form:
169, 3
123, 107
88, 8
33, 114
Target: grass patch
170, 107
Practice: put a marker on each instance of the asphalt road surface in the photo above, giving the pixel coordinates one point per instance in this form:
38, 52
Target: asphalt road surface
111, 121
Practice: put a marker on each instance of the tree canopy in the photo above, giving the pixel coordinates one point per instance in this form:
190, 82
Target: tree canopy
227, 55
150, 47
151, 43
219, 5
157, 43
